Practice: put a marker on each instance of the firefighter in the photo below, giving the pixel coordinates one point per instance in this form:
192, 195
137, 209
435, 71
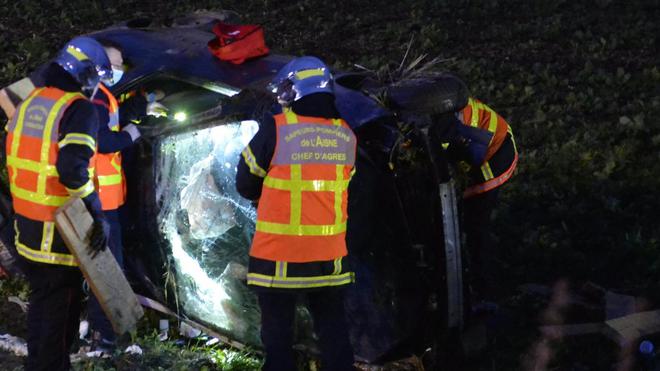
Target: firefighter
298, 167
51, 144
481, 143
110, 179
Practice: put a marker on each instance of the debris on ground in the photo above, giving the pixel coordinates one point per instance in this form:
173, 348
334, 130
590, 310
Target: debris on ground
21, 303
13, 344
133, 349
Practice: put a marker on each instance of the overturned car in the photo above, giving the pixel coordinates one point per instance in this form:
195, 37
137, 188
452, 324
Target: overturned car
187, 231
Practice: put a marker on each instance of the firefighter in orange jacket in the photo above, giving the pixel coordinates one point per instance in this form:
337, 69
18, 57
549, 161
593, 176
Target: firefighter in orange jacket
298, 166
482, 145
110, 179
51, 143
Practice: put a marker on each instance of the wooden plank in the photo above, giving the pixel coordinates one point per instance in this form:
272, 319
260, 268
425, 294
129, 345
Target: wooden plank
628, 329
12, 95
102, 272
21, 88
6, 104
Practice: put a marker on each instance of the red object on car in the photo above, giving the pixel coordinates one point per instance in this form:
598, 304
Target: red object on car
238, 43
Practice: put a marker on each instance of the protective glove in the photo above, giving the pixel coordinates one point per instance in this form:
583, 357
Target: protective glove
156, 109
153, 96
133, 131
98, 237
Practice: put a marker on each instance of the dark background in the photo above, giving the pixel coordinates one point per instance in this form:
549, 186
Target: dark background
578, 81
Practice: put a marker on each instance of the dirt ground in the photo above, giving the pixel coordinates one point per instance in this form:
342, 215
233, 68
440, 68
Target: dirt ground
12, 322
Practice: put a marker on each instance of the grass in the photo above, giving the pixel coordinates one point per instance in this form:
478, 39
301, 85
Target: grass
173, 355
577, 80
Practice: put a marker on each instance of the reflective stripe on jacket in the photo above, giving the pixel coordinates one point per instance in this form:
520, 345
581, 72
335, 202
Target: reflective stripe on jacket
32, 149
110, 178
502, 155
302, 211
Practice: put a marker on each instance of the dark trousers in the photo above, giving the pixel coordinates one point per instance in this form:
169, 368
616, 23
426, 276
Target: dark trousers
97, 318
53, 315
327, 308
477, 212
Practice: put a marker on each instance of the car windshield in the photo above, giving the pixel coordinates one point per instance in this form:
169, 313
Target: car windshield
208, 226
202, 226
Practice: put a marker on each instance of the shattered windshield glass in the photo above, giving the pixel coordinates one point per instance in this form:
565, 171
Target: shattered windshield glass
209, 226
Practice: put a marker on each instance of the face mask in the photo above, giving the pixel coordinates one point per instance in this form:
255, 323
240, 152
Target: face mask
116, 76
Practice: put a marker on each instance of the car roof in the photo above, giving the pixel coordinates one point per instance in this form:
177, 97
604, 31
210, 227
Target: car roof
184, 52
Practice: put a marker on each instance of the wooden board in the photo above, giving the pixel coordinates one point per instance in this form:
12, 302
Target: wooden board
102, 273
624, 330
633, 327
6, 104
12, 95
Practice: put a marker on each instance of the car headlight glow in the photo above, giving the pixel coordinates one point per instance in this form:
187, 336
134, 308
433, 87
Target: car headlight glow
180, 116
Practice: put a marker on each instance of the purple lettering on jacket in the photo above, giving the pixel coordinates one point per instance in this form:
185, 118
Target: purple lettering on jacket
314, 144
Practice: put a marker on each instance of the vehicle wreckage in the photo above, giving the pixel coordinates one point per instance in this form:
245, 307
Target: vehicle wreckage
188, 232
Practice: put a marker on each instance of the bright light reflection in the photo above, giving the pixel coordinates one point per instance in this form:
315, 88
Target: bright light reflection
180, 116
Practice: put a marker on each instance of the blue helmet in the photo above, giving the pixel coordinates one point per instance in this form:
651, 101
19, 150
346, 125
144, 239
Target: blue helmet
300, 77
86, 61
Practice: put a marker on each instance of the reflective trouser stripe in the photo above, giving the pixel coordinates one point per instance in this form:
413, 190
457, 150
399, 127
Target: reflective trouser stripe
263, 280
338, 266
40, 256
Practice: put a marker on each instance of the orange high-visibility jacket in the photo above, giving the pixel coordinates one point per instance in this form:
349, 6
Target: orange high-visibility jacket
479, 115
110, 178
302, 210
32, 149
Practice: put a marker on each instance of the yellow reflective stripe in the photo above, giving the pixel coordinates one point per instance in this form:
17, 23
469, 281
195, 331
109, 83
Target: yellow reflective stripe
291, 117
19, 123
251, 162
43, 256
47, 236
337, 263
301, 75
76, 53
114, 163
281, 269
29, 165
38, 198
263, 280
82, 191
338, 193
513, 140
108, 180
474, 106
296, 194
46, 257
306, 185
78, 138
492, 125
301, 230
46, 138
486, 171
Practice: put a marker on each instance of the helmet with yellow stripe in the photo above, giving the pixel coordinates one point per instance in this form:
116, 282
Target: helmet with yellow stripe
300, 77
86, 61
